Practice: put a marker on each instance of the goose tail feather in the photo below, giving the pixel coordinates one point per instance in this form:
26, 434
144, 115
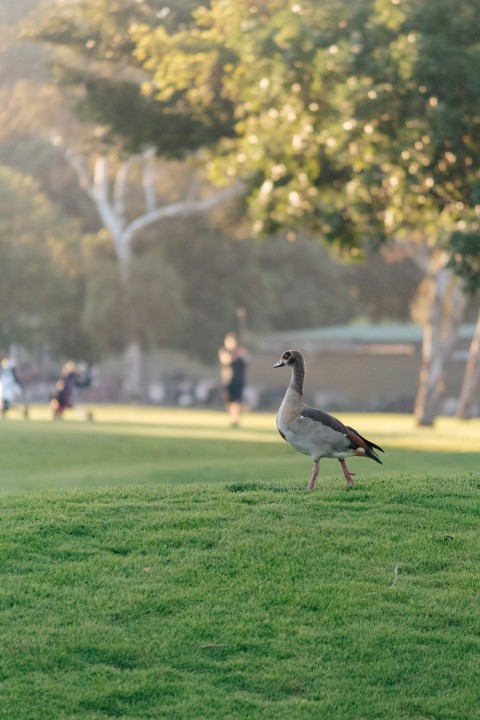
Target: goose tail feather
369, 447
373, 455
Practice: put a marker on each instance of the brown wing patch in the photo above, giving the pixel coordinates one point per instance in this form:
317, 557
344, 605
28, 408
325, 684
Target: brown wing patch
362, 445
356, 440
365, 443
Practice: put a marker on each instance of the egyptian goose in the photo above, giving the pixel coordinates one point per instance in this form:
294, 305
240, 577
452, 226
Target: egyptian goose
313, 432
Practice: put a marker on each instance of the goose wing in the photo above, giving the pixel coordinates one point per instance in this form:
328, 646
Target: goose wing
355, 439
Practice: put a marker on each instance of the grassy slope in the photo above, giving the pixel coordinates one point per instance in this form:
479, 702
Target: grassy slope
243, 596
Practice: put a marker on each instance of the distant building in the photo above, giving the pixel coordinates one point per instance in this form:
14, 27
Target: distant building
356, 367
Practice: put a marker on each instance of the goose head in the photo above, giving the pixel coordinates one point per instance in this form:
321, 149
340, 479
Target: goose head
289, 358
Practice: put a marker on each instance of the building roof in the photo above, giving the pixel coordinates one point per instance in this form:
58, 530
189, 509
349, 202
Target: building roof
339, 336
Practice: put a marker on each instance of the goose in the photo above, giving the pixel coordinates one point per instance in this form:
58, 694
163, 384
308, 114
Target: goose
314, 432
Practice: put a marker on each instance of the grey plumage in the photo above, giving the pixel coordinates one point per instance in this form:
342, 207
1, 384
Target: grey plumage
314, 432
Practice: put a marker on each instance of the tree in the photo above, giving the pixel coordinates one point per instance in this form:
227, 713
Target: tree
98, 60
465, 261
353, 120
357, 120
109, 191
446, 308
471, 380
41, 258
221, 274
353, 97
156, 295
95, 61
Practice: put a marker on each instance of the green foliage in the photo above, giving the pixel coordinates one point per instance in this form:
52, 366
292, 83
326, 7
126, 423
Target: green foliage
239, 597
34, 156
356, 120
150, 307
465, 259
281, 284
101, 313
157, 294
183, 292
94, 28
101, 28
40, 255
141, 120
328, 99
355, 110
303, 286
218, 276
101, 34
371, 283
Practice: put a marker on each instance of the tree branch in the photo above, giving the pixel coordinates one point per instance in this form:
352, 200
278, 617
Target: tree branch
148, 180
183, 208
78, 165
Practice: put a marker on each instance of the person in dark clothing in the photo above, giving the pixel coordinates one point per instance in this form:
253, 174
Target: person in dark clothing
64, 388
239, 371
233, 360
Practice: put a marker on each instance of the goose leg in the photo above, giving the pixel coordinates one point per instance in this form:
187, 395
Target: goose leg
346, 472
311, 484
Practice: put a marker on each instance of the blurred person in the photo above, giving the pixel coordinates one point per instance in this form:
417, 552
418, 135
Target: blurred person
233, 363
11, 389
71, 378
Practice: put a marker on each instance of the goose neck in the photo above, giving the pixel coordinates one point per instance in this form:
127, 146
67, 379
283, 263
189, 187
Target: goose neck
298, 376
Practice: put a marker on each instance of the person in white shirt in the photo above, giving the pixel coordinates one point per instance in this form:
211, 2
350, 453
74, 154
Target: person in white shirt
11, 388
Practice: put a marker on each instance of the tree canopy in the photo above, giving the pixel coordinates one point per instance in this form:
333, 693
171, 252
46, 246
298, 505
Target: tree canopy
354, 119
97, 58
350, 117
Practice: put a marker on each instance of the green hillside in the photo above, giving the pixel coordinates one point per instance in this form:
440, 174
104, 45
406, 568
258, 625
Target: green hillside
206, 583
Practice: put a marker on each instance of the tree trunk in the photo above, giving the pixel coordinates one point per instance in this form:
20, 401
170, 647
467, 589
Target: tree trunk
133, 371
132, 357
471, 379
439, 339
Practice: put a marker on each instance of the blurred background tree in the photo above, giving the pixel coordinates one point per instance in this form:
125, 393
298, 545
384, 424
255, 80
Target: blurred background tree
357, 121
42, 290
465, 262
354, 123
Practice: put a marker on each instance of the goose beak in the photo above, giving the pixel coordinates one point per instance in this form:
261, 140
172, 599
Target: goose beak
280, 363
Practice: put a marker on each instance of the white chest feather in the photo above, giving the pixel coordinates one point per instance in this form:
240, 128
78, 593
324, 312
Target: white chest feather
289, 410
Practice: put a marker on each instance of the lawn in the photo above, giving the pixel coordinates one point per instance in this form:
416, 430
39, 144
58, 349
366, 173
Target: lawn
158, 564
138, 445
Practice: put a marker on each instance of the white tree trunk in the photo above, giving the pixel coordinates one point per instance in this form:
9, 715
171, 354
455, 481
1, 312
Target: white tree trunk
133, 371
471, 379
440, 336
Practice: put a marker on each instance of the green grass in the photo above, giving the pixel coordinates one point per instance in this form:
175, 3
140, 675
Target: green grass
157, 564
138, 445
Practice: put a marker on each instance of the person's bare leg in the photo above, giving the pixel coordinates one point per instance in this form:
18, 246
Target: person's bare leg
235, 409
